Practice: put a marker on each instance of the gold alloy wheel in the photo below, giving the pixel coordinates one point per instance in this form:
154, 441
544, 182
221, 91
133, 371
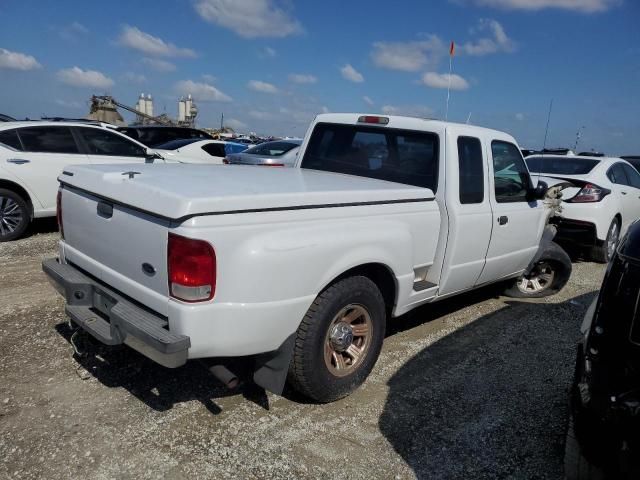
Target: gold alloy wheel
348, 340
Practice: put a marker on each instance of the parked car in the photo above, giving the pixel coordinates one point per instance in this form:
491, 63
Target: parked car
603, 440
281, 153
34, 153
155, 135
601, 206
194, 150
302, 267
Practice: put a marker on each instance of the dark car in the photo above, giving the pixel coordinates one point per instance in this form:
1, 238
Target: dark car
154, 135
604, 430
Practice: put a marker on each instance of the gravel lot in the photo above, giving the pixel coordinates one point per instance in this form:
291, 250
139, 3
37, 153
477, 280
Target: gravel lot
473, 387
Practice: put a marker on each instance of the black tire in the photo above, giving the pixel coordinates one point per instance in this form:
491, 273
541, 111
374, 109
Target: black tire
309, 373
15, 215
549, 275
602, 253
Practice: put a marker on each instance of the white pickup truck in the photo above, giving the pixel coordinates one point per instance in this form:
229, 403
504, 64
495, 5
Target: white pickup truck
301, 268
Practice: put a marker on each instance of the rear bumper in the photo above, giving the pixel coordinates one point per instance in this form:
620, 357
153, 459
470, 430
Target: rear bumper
577, 232
113, 319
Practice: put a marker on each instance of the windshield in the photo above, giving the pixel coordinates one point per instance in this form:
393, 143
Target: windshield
176, 144
272, 149
561, 165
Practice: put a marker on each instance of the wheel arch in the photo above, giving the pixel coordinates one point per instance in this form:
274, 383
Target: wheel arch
20, 190
378, 273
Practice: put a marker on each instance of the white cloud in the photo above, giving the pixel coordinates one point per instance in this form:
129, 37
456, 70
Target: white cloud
519, 116
132, 77
201, 92
259, 115
159, 65
73, 31
351, 74
269, 52
235, 124
441, 80
302, 78
367, 100
408, 110
135, 38
84, 78
498, 42
408, 56
68, 104
249, 18
17, 60
583, 6
263, 87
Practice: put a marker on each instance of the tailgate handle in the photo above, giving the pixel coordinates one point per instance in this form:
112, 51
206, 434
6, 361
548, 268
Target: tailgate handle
105, 210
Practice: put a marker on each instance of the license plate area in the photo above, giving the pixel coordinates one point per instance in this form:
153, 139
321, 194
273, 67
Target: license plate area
102, 303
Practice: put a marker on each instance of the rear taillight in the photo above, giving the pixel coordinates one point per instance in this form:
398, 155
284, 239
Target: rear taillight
590, 193
226, 161
192, 269
59, 212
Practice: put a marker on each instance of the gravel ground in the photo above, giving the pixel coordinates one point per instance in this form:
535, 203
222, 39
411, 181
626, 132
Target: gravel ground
472, 387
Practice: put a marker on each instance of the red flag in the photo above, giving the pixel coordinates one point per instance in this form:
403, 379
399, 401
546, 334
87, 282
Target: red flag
452, 49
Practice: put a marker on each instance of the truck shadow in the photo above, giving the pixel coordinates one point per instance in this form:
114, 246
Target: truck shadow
490, 399
158, 387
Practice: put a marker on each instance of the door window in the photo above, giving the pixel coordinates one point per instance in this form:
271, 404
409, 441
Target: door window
104, 142
617, 175
48, 140
10, 139
512, 181
214, 149
632, 175
470, 170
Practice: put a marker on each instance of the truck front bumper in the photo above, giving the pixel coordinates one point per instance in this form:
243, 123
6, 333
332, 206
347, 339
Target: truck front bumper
113, 319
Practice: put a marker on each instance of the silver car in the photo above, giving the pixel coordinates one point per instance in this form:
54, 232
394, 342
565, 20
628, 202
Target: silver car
280, 153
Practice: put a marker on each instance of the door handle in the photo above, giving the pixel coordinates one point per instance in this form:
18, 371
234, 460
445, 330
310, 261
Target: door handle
624, 193
18, 161
503, 220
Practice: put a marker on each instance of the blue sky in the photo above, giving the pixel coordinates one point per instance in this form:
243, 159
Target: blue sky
271, 65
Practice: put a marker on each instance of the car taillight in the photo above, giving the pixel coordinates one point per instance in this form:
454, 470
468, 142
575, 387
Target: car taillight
192, 269
590, 193
59, 212
226, 161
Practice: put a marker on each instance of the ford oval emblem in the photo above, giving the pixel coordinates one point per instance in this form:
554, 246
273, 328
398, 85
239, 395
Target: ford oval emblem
148, 269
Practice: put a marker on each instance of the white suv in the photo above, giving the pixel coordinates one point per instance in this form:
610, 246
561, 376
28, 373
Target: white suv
33, 155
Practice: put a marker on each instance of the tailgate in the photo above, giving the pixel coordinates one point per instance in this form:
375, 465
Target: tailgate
124, 248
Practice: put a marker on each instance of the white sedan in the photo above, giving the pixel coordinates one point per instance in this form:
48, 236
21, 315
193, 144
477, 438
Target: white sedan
604, 201
195, 150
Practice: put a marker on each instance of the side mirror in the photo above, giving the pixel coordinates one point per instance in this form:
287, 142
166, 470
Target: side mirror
151, 155
539, 191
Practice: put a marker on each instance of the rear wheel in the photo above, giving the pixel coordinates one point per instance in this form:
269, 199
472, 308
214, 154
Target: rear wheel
603, 253
14, 215
339, 340
547, 277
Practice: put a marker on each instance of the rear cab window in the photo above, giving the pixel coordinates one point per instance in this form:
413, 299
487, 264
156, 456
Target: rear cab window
511, 177
402, 156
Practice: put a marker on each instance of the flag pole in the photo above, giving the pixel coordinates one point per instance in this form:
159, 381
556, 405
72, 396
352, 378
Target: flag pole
451, 53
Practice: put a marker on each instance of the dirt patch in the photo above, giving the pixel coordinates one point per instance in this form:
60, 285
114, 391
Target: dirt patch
471, 387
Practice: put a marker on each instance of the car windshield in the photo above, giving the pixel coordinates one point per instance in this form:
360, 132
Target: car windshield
561, 165
176, 144
272, 149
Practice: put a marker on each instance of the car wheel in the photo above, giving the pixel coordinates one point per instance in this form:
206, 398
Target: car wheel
547, 277
339, 340
14, 215
603, 253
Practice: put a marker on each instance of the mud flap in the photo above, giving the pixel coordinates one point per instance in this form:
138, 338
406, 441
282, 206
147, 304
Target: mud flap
548, 235
271, 368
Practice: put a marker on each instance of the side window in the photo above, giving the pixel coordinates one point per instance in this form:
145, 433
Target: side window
10, 139
214, 149
617, 174
632, 175
510, 174
470, 170
48, 140
104, 142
